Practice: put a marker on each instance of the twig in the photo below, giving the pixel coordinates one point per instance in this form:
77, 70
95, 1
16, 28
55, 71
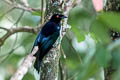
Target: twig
12, 50
62, 52
27, 63
4, 28
22, 13
16, 30
7, 54
75, 2
61, 70
16, 23
22, 7
8, 18
7, 12
18, 6
42, 12
8, 2
25, 3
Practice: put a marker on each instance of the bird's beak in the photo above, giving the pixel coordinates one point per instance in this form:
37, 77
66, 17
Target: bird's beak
64, 17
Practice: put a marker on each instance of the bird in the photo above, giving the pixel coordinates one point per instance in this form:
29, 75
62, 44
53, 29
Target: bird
46, 38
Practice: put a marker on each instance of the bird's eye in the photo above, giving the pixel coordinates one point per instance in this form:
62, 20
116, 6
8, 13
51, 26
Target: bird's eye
57, 16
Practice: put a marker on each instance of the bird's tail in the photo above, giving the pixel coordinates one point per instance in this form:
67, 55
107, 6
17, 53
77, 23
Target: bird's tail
37, 61
36, 74
37, 70
37, 65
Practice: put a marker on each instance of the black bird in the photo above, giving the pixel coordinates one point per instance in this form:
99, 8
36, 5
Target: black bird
47, 37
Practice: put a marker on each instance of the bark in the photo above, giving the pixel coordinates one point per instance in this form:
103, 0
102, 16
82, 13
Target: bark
50, 65
52, 7
49, 69
112, 5
16, 30
24, 67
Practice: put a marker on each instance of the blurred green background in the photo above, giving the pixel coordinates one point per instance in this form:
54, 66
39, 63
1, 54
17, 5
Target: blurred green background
17, 46
86, 50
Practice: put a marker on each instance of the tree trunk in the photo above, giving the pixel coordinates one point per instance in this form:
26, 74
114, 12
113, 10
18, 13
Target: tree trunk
50, 65
49, 68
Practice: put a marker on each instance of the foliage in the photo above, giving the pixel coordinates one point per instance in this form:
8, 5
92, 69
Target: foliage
85, 21
87, 45
17, 46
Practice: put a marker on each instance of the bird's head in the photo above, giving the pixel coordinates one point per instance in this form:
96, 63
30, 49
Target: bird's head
57, 18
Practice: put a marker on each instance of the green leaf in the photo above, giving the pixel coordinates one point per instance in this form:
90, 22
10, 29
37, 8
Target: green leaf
112, 19
103, 56
87, 71
36, 13
100, 30
79, 34
72, 60
116, 58
81, 18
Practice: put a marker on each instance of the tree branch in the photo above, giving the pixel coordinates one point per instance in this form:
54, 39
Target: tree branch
18, 6
7, 12
27, 63
25, 6
16, 30
4, 28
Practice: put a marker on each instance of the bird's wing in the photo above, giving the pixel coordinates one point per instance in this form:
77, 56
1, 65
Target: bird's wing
37, 40
45, 45
49, 31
